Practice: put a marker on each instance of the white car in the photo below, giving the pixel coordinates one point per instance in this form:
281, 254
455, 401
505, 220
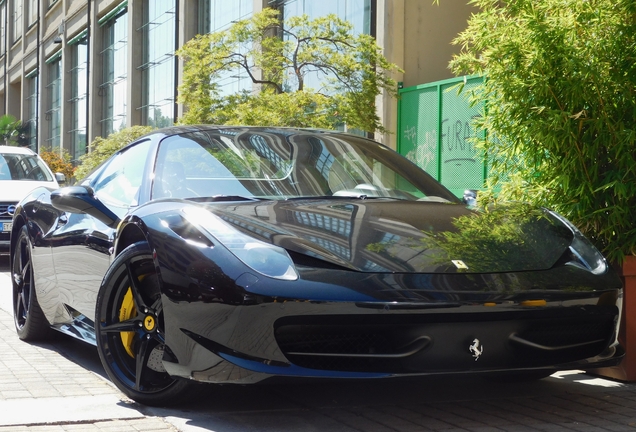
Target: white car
21, 171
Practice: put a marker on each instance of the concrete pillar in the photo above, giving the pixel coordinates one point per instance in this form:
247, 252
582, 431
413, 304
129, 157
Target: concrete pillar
135, 61
390, 33
95, 77
187, 28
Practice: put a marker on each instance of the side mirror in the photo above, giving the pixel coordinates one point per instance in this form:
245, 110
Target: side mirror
60, 178
470, 197
81, 199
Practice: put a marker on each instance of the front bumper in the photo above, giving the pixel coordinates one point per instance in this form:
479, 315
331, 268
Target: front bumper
349, 340
344, 324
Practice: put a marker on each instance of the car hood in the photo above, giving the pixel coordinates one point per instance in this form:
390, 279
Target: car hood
383, 235
15, 190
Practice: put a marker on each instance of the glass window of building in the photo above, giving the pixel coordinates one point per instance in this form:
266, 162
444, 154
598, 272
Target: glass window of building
77, 104
215, 15
158, 89
32, 109
3, 27
357, 12
32, 12
16, 11
114, 65
54, 89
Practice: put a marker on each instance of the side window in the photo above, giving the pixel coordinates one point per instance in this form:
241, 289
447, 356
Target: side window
119, 182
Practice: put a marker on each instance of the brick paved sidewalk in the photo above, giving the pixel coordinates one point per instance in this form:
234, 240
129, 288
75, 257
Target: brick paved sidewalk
41, 390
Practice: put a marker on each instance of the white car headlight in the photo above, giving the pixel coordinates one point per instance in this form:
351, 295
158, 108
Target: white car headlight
588, 257
264, 258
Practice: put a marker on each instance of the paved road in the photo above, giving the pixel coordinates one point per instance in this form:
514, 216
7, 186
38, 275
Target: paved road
60, 386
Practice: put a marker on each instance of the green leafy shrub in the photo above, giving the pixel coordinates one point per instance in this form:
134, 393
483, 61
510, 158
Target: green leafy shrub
59, 164
561, 108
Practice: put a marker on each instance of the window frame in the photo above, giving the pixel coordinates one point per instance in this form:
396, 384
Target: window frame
78, 109
110, 81
54, 112
17, 26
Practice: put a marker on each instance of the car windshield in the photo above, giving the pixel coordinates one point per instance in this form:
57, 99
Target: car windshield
23, 167
266, 164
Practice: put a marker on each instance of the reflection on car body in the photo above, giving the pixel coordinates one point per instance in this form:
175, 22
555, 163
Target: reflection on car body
233, 254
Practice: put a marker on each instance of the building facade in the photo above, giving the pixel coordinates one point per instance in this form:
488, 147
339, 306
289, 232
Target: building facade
74, 70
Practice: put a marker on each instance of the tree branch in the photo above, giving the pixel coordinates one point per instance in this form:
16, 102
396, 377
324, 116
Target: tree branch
325, 68
243, 63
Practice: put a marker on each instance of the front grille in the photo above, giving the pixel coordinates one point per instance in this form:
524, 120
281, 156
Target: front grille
430, 343
5, 236
333, 340
352, 348
553, 334
4, 214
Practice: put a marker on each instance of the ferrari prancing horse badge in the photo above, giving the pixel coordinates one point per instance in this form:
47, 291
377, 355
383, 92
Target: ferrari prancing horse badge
476, 348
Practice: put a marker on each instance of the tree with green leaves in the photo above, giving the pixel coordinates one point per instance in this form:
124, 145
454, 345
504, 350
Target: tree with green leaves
283, 60
560, 92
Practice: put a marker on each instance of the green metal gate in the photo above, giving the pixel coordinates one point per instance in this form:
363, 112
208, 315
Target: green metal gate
434, 127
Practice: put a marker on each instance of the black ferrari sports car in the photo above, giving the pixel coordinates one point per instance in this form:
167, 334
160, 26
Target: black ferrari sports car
234, 254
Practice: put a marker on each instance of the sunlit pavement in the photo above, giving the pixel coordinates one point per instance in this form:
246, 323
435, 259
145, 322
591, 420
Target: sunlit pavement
60, 386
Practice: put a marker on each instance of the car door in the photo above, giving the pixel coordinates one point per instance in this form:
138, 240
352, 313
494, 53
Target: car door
82, 245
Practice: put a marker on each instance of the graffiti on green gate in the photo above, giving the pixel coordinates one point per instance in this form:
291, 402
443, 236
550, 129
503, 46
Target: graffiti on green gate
435, 131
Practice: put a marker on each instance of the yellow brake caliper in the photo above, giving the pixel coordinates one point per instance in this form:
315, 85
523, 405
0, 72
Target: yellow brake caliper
126, 312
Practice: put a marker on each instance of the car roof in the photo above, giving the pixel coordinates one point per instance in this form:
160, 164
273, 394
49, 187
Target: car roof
286, 130
180, 129
16, 150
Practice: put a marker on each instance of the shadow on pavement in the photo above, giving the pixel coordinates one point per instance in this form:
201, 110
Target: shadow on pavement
74, 350
276, 406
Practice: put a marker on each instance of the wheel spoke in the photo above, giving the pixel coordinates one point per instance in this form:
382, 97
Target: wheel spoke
17, 264
25, 270
157, 306
159, 337
140, 304
141, 359
22, 280
123, 326
20, 307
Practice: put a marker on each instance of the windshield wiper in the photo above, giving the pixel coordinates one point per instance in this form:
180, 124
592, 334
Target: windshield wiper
217, 198
339, 197
361, 196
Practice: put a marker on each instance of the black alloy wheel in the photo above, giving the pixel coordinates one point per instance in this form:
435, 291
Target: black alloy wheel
30, 322
130, 330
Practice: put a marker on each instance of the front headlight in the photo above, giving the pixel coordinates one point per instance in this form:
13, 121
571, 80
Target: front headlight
264, 258
587, 256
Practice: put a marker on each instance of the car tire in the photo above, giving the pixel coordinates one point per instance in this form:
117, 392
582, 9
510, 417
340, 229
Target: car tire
30, 322
129, 327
